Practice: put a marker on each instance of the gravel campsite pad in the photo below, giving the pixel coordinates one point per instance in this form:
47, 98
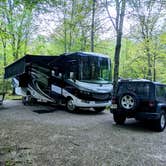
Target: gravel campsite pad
48, 135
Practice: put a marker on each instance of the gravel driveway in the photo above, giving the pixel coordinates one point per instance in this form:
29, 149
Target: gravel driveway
48, 136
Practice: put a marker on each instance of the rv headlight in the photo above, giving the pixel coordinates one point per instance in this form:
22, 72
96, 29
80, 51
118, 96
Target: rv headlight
85, 92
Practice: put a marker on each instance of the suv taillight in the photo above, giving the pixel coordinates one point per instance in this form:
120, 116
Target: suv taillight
113, 100
151, 103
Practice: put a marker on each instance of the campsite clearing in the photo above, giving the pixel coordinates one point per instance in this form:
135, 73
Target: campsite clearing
48, 135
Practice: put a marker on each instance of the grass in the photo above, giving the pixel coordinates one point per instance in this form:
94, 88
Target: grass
9, 96
20, 157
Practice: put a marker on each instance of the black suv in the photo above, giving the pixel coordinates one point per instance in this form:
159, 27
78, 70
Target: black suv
140, 99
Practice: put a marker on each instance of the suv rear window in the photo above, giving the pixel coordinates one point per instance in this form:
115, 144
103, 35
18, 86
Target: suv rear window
161, 92
140, 88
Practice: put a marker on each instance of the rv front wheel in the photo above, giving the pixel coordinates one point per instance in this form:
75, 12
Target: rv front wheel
70, 105
99, 109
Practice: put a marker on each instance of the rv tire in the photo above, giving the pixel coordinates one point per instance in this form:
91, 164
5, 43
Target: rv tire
28, 100
24, 100
70, 105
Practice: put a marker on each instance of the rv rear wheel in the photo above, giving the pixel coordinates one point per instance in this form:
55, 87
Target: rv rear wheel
70, 105
24, 100
28, 100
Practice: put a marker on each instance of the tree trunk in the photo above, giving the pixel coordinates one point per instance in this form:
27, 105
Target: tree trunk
65, 28
149, 74
71, 26
93, 26
116, 62
149, 67
154, 68
83, 40
4, 52
119, 28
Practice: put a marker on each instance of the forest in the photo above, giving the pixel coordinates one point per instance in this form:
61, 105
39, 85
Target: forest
131, 32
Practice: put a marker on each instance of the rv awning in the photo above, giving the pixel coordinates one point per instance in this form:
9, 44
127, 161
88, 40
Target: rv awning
15, 68
19, 66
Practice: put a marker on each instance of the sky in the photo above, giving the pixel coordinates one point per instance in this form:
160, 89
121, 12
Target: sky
47, 23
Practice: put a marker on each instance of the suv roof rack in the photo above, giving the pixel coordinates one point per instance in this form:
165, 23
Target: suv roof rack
139, 80
130, 79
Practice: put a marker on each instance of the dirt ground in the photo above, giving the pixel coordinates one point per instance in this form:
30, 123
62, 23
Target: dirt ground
49, 136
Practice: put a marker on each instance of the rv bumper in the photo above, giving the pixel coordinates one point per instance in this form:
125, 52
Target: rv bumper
86, 104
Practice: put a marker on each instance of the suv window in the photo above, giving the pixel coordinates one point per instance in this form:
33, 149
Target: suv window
142, 89
161, 92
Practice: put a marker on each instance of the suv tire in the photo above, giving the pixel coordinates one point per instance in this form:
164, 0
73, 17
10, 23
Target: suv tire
161, 122
119, 118
128, 101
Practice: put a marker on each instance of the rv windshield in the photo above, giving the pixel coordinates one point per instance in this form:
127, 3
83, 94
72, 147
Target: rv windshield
95, 69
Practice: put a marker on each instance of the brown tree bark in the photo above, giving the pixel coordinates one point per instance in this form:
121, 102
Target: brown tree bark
118, 25
93, 26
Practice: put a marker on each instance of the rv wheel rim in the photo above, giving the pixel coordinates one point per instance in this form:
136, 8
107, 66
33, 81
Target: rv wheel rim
162, 121
70, 105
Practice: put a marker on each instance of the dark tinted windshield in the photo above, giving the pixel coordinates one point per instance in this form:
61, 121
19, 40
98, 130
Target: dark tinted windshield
95, 69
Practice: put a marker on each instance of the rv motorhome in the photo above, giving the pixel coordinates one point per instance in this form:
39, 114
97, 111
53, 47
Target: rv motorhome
78, 80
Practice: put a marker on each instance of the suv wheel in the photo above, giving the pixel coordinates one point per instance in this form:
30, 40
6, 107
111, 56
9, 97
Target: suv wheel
128, 101
161, 122
119, 118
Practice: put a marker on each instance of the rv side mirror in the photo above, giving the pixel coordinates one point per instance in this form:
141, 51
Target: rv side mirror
72, 75
53, 73
60, 75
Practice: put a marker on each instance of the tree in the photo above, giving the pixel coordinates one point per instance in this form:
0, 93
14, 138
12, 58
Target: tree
4, 36
78, 24
93, 25
120, 6
16, 16
147, 15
